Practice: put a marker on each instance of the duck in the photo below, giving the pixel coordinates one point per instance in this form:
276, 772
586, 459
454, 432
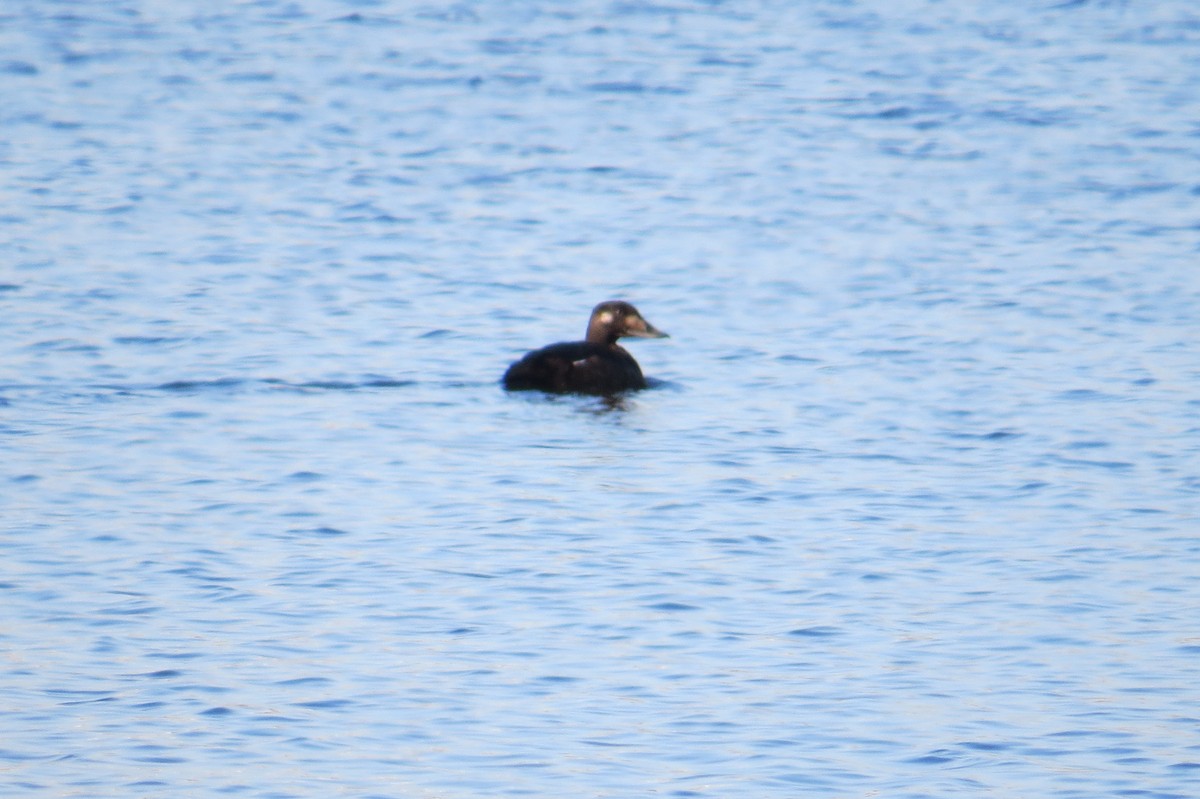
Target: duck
596, 365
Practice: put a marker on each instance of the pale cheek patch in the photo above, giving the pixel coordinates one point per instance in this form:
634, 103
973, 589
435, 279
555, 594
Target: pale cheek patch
606, 317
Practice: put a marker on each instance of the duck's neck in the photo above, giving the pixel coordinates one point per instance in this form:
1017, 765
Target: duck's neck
601, 334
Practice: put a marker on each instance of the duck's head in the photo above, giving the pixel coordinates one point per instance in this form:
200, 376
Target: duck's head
613, 319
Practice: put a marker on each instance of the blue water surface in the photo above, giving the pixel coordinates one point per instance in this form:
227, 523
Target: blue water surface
910, 511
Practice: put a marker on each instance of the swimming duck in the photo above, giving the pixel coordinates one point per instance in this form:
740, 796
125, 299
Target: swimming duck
596, 365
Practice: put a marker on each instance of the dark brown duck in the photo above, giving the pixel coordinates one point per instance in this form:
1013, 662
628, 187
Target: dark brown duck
596, 365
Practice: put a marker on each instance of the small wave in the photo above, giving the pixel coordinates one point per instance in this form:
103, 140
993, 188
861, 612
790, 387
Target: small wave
200, 385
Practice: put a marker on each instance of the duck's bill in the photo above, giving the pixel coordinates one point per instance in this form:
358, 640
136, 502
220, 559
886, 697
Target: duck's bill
645, 330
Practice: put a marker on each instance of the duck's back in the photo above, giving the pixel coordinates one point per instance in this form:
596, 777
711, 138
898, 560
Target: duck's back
576, 367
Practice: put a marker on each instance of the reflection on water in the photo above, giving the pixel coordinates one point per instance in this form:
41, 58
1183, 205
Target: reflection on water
908, 508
